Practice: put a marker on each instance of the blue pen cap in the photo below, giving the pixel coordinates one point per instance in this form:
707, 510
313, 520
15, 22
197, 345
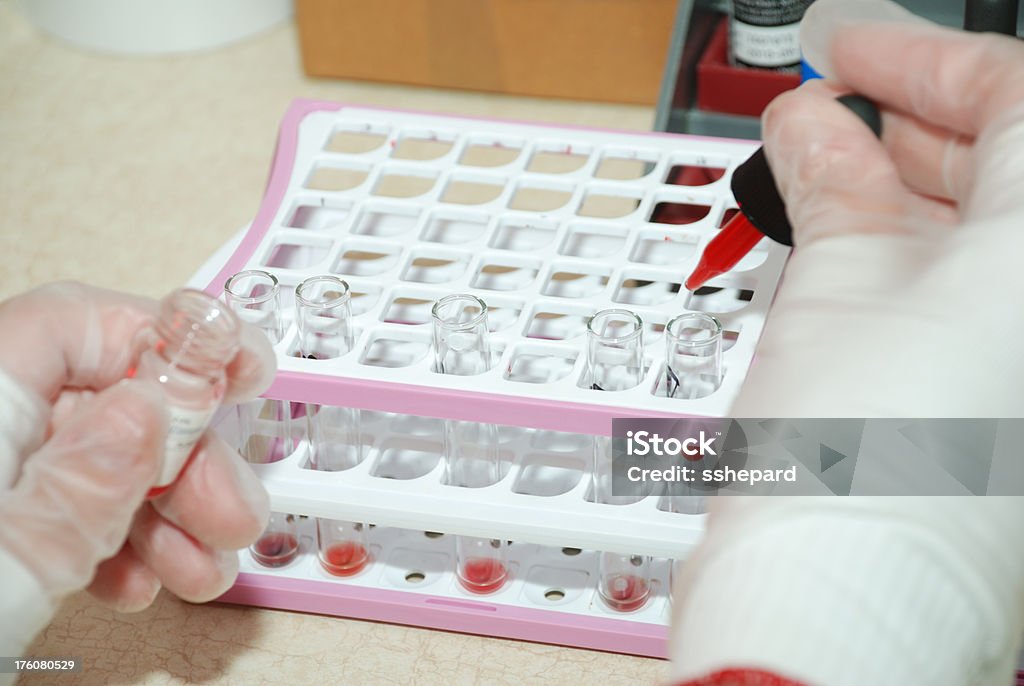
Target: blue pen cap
807, 72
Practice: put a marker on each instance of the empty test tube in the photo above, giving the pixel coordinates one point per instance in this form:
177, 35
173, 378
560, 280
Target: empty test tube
615, 362
324, 322
615, 350
693, 356
461, 347
265, 426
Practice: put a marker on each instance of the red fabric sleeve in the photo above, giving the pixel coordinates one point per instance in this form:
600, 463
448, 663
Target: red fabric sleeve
741, 677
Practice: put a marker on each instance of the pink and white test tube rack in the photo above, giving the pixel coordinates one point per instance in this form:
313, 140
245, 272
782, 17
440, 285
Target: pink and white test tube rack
548, 225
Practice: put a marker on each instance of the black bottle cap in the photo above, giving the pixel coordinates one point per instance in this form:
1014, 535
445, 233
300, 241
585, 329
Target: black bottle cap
997, 16
753, 184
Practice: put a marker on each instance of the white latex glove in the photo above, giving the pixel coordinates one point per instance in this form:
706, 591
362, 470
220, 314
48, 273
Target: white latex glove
901, 297
80, 451
900, 300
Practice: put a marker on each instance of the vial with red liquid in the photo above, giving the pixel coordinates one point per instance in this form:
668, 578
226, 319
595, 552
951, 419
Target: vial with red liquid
482, 563
615, 363
194, 339
324, 323
279, 543
342, 546
461, 346
624, 581
265, 426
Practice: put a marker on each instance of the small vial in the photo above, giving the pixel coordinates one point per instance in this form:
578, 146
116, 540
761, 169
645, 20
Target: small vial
461, 347
765, 34
624, 581
341, 546
461, 340
196, 336
482, 563
265, 426
323, 316
324, 321
615, 350
267, 432
615, 362
279, 543
693, 356
323, 311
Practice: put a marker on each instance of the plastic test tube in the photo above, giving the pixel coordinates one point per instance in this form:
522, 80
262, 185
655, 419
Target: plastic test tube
324, 319
255, 296
693, 369
461, 346
693, 356
265, 426
615, 362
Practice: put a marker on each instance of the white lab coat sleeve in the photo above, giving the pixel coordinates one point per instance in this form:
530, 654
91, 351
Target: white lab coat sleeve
25, 608
853, 591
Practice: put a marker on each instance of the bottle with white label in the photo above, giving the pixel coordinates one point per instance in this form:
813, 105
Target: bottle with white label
765, 34
196, 336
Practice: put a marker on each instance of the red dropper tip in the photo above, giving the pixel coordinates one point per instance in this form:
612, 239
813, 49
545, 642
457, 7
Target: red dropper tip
732, 243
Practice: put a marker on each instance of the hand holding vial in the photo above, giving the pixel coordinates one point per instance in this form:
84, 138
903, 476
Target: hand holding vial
81, 445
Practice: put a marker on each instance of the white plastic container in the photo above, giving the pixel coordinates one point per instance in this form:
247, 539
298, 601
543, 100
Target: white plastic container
154, 27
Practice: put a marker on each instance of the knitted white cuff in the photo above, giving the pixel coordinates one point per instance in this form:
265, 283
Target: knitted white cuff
846, 596
25, 607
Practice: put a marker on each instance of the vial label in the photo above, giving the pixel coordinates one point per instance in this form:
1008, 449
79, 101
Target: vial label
185, 428
766, 46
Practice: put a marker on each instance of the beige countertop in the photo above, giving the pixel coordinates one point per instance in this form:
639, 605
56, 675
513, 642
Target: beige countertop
129, 173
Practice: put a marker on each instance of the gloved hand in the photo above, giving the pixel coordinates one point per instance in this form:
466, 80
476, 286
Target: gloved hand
79, 448
899, 297
899, 300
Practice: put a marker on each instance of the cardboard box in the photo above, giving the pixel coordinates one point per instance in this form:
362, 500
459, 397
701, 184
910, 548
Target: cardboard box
610, 50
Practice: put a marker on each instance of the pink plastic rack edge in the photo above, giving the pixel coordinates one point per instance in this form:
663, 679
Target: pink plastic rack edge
450, 614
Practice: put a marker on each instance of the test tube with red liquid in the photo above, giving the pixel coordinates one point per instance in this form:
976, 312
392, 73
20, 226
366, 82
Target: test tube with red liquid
324, 322
615, 363
265, 426
279, 543
461, 346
